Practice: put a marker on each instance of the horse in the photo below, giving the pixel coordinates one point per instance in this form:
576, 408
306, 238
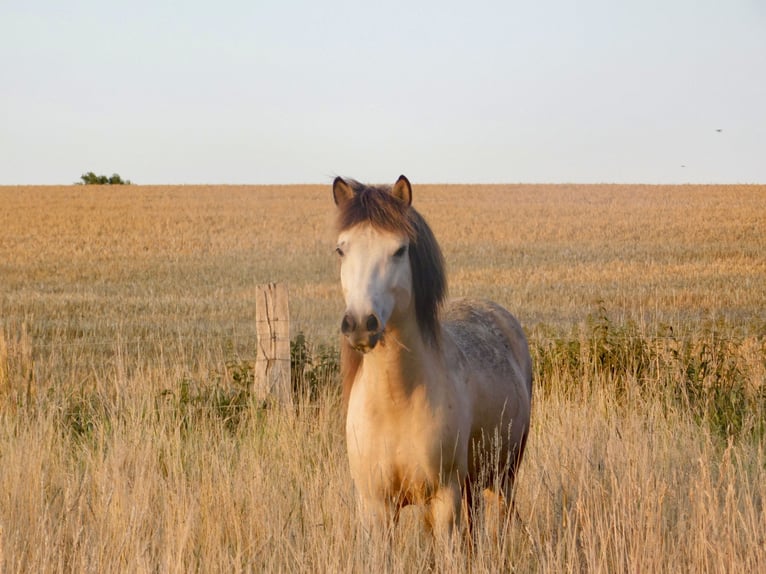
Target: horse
437, 395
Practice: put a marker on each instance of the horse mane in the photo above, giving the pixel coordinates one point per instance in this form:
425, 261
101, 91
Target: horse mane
376, 206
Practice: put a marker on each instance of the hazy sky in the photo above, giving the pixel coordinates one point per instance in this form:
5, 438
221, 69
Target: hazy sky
295, 91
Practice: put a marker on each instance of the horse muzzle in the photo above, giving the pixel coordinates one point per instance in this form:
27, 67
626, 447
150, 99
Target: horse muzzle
362, 335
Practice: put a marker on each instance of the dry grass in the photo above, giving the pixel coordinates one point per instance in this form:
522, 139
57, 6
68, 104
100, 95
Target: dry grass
125, 314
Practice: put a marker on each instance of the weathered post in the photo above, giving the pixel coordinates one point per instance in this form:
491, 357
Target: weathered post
272, 362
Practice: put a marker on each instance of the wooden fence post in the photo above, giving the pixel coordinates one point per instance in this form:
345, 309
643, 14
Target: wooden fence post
272, 362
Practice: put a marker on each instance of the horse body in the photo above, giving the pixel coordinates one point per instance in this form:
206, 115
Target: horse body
491, 358
437, 400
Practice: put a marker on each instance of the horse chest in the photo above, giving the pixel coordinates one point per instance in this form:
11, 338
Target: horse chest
398, 449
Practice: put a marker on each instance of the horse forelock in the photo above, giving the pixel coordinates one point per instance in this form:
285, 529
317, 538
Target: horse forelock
376, 206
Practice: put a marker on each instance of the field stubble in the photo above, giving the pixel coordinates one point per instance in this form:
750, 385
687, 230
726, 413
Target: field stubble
128, 441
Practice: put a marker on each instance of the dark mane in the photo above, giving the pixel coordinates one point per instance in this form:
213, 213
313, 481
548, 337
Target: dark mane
378, 207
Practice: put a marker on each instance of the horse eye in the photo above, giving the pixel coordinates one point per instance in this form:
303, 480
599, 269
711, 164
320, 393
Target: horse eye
339, 251
401, 251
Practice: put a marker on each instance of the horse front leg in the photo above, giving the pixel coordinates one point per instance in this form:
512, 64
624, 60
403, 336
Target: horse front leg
443, 512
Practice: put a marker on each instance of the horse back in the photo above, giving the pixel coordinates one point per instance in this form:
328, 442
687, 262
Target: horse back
488, 337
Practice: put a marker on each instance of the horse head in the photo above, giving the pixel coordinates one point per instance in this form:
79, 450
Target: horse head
375, 269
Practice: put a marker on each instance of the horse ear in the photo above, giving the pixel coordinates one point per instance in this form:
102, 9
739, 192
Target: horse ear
341, 191
402, 190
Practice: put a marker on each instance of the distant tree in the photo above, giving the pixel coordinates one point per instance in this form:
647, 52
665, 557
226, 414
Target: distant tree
91, 178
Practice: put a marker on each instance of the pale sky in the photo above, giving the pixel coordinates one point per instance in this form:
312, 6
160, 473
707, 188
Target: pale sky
295, 91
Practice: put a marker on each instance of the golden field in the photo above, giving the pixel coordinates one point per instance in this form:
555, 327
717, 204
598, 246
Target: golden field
128, 441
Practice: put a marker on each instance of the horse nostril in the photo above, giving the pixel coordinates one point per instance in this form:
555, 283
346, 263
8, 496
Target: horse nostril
347, 325
372, 323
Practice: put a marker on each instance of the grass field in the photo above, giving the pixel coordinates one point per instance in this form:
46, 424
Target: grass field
129, 442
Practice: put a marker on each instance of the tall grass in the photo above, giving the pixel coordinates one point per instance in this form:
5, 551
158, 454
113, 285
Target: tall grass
642, 458
130, 440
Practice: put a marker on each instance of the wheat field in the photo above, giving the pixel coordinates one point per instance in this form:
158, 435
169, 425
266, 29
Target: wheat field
129, 441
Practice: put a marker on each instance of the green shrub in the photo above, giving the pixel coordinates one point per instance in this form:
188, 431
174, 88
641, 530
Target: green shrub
312, 369
706, 372
227, 393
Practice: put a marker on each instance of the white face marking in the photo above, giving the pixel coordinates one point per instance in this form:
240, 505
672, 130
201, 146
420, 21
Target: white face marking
374, 273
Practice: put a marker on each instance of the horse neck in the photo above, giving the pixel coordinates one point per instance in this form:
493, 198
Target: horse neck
404, 360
